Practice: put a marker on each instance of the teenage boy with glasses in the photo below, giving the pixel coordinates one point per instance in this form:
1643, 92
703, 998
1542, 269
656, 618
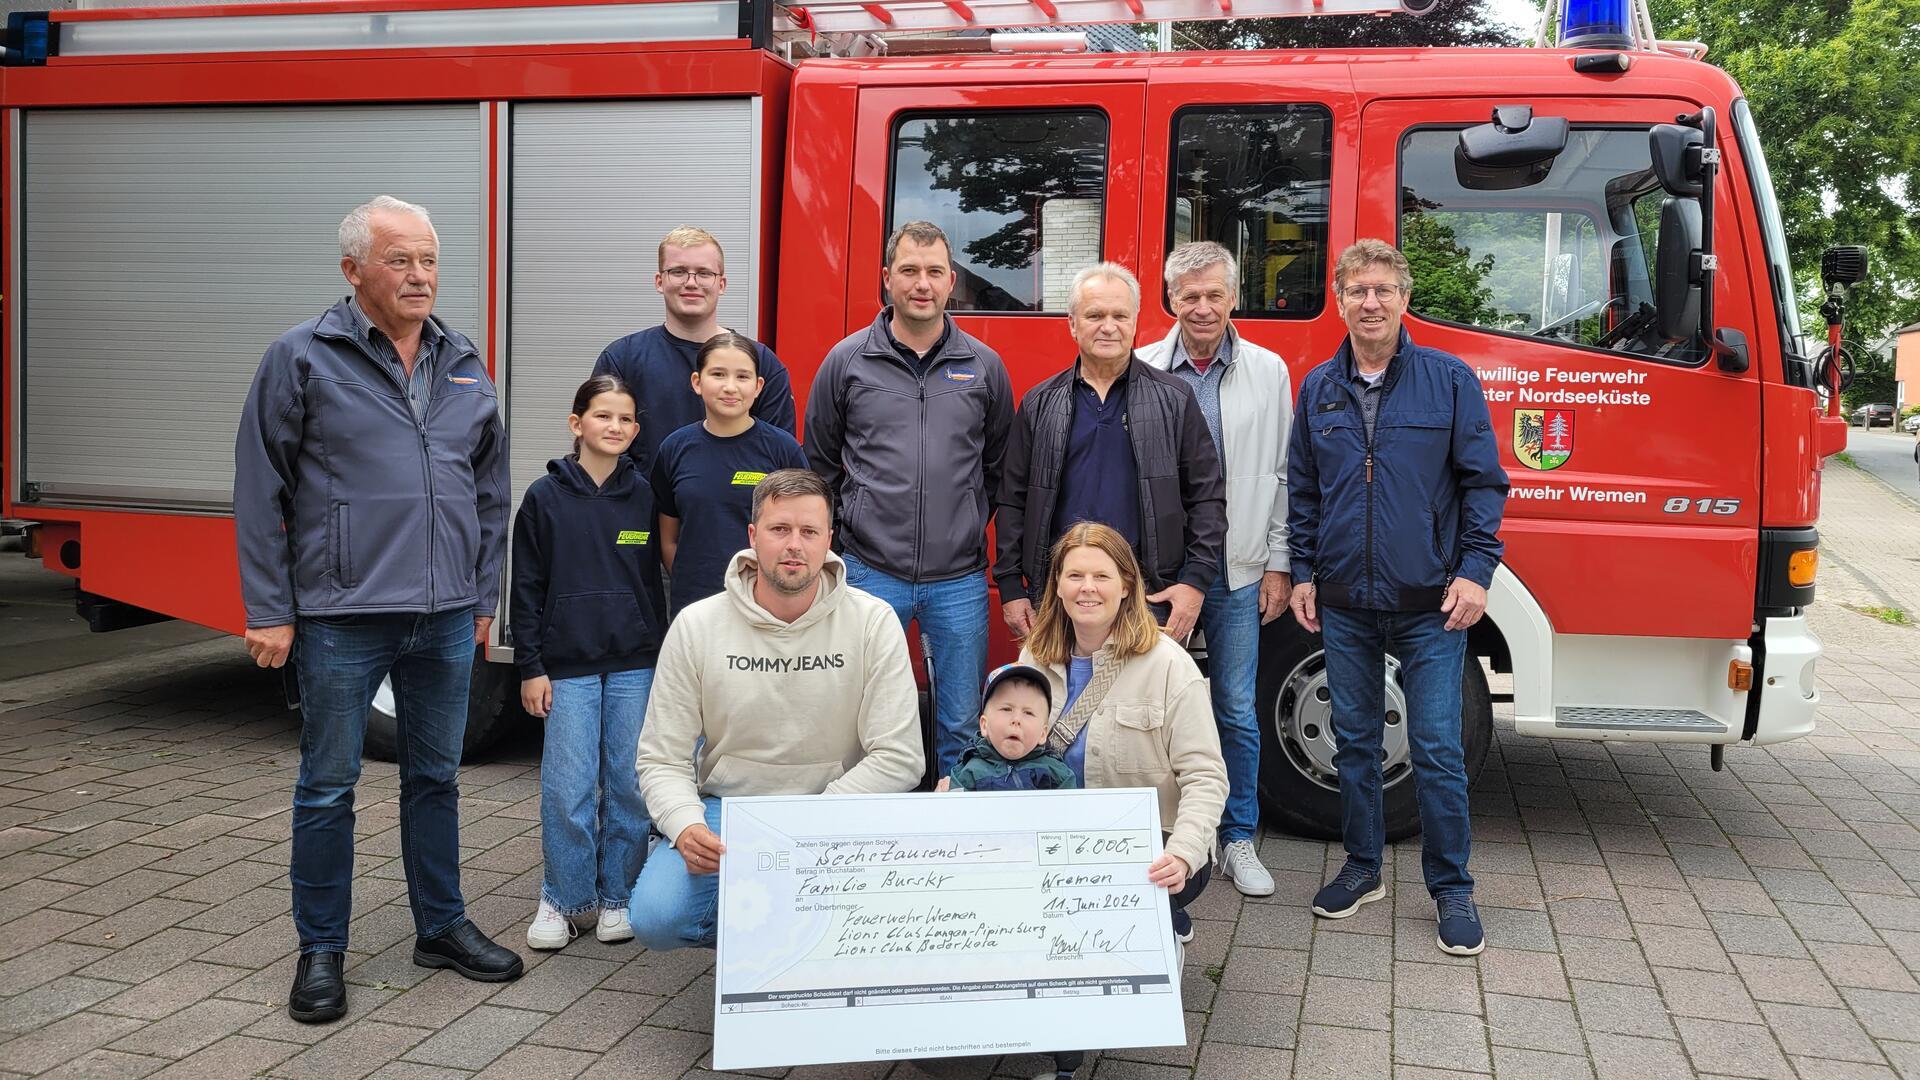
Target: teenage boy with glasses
658, 363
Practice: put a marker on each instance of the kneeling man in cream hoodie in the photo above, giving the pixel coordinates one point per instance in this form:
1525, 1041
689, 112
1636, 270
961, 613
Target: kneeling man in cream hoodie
799, 683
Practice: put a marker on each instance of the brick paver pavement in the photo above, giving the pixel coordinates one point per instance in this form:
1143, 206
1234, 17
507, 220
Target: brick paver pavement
1873, 531
1647, 917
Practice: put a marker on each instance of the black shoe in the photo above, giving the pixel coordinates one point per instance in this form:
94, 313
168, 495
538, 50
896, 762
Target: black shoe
468, 951
319, 994
1343, 895
1460, 932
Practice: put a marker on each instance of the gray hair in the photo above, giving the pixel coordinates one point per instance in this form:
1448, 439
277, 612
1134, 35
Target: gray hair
789, 484
356, 229
1201, 255
1365, 253
1111, 271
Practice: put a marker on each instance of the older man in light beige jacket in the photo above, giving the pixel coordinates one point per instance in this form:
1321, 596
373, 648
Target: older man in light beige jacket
1246, 395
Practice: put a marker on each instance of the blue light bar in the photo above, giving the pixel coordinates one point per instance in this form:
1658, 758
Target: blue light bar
28, 39
1595, 24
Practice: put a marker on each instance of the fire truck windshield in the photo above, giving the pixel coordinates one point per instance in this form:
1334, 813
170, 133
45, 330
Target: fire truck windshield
1774, 235
1569, 256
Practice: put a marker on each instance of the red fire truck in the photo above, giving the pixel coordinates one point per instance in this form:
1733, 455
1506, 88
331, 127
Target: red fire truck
1591, 226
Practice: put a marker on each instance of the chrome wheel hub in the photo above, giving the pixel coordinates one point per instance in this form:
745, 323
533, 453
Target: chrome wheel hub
1303, 718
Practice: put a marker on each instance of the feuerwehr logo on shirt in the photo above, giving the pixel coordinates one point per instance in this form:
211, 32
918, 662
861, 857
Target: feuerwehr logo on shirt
632, 536
783, 665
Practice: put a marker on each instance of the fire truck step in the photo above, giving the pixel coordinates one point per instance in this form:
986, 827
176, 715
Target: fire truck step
1610, 719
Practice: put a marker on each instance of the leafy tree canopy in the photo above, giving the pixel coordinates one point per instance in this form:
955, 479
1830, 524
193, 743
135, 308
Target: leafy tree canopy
1833, 91
1451, 22
1873, 380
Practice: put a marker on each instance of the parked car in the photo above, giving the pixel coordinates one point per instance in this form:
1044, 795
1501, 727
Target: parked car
1911, 425
1873, 415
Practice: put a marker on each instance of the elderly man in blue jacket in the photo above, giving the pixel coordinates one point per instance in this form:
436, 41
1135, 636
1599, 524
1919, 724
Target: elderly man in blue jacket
370, 503
1395, 494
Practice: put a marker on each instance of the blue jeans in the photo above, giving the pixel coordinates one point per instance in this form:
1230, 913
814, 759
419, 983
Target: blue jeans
1231, 620
953, 619
593, 824
1431, 661
672, 908
339, 663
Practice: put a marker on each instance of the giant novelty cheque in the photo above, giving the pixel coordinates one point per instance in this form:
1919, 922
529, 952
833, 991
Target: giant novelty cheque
879, 927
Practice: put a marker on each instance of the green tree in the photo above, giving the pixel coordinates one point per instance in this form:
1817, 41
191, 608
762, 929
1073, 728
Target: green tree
1449, 283
1451, 22
1833, 90
1873, 381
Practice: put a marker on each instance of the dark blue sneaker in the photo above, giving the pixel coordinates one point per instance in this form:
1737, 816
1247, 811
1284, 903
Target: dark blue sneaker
1344, 895
1460, 932
1182, 926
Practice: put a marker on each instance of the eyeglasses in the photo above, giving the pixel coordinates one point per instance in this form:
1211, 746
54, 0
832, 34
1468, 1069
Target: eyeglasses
1357, 294
679, 274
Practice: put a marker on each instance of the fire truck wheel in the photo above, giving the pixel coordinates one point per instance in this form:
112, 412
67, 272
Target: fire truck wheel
1299, 789
493, 709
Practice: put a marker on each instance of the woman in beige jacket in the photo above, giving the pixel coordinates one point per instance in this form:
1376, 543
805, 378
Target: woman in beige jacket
1131, 708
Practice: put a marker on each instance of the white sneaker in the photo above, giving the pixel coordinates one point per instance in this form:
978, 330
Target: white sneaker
1240, 862
614, 926
550, 929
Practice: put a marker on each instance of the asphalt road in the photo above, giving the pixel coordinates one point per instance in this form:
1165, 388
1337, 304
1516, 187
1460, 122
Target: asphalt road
1887, 455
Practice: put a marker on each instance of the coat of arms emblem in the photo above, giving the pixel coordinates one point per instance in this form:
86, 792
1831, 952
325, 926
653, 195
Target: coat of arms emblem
1543, 438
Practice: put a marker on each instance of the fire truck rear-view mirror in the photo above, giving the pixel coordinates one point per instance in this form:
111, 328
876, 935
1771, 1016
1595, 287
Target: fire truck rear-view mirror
1515, 150
1676, 158
1677, 270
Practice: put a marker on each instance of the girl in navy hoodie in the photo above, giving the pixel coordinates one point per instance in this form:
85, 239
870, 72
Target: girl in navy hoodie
587, 613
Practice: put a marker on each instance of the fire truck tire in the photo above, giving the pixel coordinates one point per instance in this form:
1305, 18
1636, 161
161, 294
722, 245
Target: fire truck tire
1299, 792
493, 710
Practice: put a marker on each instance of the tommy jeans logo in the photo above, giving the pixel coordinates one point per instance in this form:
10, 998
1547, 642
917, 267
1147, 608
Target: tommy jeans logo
781, 665
747, 478
632, 536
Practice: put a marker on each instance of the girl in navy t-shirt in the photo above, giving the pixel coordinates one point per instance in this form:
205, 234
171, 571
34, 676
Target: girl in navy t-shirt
704, 474
587, 612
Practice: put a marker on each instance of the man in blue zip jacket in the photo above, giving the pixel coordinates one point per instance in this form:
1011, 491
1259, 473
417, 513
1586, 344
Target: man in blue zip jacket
370, 507
1395, 494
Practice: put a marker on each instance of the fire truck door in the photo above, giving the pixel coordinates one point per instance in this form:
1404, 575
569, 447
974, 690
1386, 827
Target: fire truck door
1634, 460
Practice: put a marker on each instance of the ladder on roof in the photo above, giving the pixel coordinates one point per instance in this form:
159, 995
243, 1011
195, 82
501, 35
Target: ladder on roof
98, 28
929, 16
